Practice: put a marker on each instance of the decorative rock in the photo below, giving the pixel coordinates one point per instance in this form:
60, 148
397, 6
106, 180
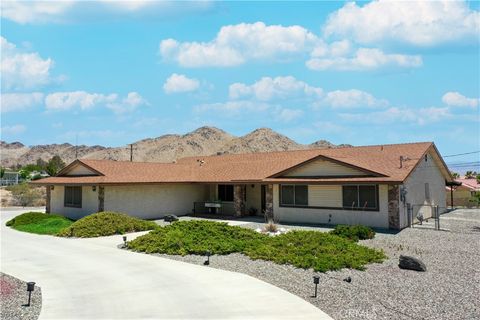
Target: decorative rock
411, 263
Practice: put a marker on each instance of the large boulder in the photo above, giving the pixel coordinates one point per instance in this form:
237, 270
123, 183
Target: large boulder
411, 263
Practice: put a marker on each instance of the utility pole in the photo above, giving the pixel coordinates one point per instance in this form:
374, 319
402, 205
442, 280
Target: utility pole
76, 146
131, 152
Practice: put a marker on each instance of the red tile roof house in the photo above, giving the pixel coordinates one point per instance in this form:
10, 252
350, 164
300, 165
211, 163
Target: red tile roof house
369, 185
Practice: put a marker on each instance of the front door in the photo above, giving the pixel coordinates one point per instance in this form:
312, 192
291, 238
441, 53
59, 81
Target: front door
263, 197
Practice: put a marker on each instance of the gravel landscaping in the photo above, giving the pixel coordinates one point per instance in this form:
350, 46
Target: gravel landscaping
448, 290
13, 297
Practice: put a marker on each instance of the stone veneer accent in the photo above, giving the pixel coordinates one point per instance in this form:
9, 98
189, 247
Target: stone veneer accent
48, 199
239, 199
101, 199
269, 201
393, 207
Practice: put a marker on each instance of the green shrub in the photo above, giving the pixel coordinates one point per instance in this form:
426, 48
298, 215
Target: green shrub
195, 237
354, 233
39, 223
106, 224
302, 249
24, 195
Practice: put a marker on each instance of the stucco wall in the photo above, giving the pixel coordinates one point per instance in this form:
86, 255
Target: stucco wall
254, 198
89, 203
156, 201
323, 168
426, 172
80, 170
333, 216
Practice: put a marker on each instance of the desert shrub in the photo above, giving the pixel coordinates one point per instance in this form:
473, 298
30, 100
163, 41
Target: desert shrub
40, 223
24, 195
302, 249
106, 224
354, 233
195, 237
317, 250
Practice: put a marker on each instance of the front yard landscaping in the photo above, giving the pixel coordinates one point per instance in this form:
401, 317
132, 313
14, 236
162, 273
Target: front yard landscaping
303, 249
39, 223
95, 225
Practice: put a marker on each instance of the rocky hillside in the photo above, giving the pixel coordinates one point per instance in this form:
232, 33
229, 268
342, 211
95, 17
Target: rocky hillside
166, 148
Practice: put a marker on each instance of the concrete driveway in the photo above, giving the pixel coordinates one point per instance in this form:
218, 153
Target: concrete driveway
92, 279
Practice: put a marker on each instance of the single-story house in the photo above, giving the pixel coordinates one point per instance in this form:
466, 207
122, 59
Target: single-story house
463, 193
370, 185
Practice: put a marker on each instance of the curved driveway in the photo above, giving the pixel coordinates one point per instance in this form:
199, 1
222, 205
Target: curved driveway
92, 279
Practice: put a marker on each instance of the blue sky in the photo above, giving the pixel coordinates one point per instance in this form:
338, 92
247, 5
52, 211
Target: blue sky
112, 73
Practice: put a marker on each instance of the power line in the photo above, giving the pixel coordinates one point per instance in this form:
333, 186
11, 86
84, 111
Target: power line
461, 154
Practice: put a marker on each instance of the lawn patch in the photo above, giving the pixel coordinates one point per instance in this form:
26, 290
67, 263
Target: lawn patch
39, 223
302, 249
106, 224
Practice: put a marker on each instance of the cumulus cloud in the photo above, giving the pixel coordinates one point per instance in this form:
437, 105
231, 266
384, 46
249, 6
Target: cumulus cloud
419, 23
61, 101
235, 44
25, 12
14, 129
420, 116
180, 83
363, 59
11, 102
455, 99
351, 99
268, 88
23, 70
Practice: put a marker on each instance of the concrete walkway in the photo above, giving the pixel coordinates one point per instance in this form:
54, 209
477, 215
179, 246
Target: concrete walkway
92, 279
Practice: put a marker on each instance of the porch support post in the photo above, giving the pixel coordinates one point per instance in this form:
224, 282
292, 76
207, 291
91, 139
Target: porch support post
269, 201
239, 199
393, 207
48, 199
101, 198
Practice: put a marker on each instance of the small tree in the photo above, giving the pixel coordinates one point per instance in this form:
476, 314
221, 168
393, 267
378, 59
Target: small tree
41, 164
455, 175
2, 172
24, 195
470, 174
54, 165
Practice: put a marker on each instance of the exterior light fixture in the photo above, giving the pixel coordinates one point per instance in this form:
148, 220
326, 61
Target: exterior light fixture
52, 187
316, 281
124, 241
94, 188
207, 262
30, 288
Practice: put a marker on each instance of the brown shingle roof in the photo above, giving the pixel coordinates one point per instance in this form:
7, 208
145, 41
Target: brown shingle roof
382, 163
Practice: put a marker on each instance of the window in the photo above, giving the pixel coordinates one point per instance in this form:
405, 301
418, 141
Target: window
73, 197
427, 192
358, 197
294, 195
225, 192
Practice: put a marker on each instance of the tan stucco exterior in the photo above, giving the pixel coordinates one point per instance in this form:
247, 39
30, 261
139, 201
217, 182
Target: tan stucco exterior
322, 167
332, 216
89, 202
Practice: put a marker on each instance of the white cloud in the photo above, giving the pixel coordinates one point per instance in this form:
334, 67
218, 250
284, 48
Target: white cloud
455, 99
13, 130
232, 108
420, 23
287, 115
364, 59
268, 88
82, 100
351, 99
11, 102
63, 11
235, 44
420, 116
180, 83
22, 70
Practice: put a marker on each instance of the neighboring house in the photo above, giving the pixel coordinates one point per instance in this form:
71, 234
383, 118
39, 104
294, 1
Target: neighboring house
463, 194
10, 178
370, 185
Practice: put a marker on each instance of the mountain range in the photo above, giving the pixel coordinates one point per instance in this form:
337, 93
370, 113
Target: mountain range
166, 148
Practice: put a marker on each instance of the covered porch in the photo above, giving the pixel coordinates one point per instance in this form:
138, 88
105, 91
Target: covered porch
237, 200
